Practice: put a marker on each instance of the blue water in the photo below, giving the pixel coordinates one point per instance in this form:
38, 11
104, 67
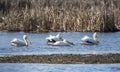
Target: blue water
109, 43
24, 67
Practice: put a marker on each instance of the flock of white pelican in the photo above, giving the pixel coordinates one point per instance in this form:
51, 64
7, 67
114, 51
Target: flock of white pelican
56, 41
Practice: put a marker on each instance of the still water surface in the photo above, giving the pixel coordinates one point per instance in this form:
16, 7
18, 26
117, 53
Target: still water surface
24, 67
109, 43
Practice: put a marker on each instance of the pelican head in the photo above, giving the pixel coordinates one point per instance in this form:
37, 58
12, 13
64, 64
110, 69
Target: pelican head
59, 37
95, 37
26, 39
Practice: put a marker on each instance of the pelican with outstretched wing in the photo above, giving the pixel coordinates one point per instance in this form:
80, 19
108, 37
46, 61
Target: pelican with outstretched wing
18, 43
52, 39
57, 41
86, 40
63, 42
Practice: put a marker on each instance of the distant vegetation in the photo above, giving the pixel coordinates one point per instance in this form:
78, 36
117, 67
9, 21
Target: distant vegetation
60, 15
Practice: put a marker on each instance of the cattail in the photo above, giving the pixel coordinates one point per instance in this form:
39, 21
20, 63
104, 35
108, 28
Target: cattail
60, 15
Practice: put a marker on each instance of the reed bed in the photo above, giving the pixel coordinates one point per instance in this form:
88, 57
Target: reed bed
60, 15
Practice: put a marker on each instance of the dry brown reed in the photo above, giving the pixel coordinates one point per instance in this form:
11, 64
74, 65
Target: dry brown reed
60, 15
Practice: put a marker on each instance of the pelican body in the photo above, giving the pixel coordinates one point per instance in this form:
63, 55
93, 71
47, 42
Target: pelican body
18, 43
86, 40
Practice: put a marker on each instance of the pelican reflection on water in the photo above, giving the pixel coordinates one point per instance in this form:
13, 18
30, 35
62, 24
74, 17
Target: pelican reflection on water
18, 43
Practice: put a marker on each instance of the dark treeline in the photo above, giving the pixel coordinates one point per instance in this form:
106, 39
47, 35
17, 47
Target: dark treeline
60, 15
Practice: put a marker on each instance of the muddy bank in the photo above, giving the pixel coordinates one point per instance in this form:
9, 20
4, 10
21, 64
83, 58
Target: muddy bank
63, 58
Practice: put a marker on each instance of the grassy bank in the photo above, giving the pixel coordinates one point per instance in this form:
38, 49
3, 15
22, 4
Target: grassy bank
60, 15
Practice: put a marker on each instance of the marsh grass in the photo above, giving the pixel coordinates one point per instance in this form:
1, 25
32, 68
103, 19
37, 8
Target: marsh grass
60, 15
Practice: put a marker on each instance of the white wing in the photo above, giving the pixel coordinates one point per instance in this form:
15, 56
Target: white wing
86, 38
58, 35
17, 42
50, 37
53, 37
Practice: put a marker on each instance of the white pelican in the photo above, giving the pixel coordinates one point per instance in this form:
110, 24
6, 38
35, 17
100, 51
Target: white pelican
17, 42
63, 42
86, 40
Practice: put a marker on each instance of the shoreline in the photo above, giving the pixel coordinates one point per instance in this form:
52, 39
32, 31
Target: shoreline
63, 59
